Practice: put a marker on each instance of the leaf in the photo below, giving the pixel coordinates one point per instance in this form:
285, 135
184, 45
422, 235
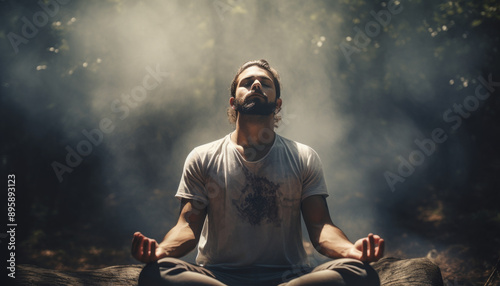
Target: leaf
476, 22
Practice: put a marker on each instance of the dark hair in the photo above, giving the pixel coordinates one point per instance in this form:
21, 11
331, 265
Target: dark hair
263, 64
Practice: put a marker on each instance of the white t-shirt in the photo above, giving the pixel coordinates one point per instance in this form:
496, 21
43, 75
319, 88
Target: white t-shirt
253, 213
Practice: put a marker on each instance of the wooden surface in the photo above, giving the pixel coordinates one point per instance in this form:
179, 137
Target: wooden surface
402, 272
122, 275
392, 272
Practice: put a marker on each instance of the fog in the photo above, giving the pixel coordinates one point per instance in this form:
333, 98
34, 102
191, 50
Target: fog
158, 72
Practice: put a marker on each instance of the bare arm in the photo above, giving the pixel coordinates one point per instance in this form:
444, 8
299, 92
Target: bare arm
179, 241
330, 241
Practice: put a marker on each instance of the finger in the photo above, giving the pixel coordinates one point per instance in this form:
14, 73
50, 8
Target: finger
381, 248
371, 241
364, 250
136, 245
145, 250
152, 254
136, 238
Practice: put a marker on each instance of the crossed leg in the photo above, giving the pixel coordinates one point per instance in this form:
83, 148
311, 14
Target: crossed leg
344, 271
172, 271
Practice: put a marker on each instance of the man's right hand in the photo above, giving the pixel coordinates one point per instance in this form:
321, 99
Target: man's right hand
146, 249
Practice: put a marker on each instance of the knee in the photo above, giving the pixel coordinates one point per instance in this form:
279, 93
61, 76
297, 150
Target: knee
154, 273
149, 274
354, 272
371, 278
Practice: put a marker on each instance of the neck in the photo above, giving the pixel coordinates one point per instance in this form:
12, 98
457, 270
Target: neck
254, 135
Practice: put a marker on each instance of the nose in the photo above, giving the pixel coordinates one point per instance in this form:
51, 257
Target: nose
256, 85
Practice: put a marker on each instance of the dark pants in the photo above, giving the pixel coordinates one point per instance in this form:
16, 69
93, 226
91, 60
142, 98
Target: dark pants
344, 271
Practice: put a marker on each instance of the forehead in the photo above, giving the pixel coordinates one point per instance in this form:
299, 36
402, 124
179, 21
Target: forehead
255, 72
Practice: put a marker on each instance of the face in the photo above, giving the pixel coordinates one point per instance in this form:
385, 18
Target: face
255, 93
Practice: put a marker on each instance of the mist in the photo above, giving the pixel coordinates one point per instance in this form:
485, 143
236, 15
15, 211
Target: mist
152, 78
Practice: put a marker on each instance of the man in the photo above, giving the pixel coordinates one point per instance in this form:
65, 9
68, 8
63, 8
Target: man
241, 201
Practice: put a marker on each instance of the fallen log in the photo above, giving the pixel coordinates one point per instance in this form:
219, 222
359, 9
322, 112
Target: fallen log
392, 272
402, 272
122, 275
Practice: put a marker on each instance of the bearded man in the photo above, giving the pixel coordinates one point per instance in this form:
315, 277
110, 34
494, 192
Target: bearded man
242, 198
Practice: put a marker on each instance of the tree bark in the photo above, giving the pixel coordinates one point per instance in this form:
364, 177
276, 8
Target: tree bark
402, 272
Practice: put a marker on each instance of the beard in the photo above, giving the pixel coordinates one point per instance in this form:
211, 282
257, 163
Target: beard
255, 106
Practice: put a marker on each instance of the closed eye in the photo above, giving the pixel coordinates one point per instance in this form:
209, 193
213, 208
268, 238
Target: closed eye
265, 82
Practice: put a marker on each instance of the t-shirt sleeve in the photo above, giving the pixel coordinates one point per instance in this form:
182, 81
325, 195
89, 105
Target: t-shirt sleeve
313, 180
192, 185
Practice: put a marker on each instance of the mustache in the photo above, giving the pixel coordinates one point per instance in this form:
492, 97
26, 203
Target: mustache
249, 99
252, 106
257, 91
252, 100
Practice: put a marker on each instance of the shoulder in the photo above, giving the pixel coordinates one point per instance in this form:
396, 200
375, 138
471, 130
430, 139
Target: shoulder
296, 147
209, 149
304, 156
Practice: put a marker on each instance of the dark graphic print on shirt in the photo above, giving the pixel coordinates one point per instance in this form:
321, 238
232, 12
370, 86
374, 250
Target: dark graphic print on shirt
258, 201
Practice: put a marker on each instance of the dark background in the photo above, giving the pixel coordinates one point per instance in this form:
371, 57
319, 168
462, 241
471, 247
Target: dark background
361, 113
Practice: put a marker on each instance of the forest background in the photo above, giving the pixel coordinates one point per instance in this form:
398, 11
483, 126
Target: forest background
101, 101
